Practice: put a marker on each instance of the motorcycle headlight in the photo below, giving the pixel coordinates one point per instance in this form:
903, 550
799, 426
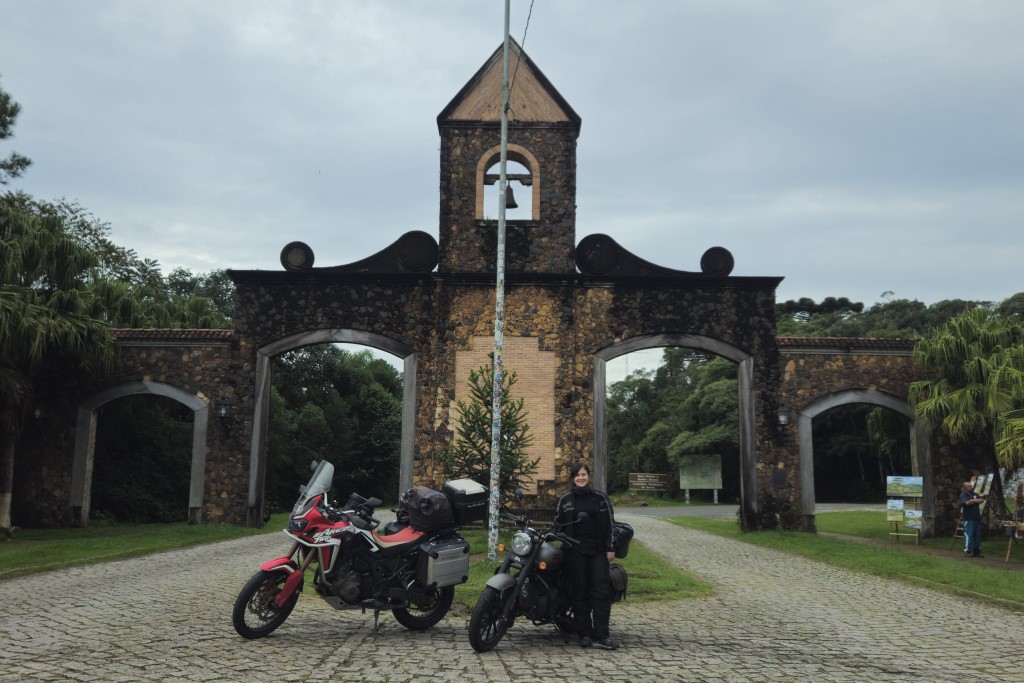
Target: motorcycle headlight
521, 544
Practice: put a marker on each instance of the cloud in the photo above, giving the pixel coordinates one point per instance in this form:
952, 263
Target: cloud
851, 147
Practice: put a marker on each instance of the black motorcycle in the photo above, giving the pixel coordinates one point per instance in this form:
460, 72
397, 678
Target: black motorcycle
530, 583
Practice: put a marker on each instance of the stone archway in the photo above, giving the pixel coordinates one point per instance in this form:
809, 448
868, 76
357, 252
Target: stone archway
920, 455
85, 444
261, 409
745, 381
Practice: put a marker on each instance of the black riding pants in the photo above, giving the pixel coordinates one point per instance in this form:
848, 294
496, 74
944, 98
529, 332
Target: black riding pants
591, 594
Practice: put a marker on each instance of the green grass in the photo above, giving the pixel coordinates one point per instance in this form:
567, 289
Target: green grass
38, 550
865, 547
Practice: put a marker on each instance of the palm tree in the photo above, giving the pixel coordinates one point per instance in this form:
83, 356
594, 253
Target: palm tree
977, 360
46, 310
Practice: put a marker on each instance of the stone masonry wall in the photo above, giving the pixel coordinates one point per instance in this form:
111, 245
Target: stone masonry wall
546, 246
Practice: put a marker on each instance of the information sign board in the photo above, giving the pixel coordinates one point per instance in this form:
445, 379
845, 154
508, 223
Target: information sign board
647, 481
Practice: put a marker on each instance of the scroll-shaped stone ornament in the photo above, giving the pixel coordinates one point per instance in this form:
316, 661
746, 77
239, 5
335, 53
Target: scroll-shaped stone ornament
414, 252
601, 255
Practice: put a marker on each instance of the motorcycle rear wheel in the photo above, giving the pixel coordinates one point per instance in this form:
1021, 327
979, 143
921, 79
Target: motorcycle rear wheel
255, 615
420, 617
486, 627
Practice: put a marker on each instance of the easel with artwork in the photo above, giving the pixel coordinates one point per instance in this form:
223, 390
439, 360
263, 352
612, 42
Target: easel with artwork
903, 507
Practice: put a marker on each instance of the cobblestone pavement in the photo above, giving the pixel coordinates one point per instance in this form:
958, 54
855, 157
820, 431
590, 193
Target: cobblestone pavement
167, 618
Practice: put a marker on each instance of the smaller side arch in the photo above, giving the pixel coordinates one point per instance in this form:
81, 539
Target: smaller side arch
85, 444
516, 153
920, 455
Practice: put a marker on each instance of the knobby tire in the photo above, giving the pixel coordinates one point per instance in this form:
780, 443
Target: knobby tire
419, 617
255, 615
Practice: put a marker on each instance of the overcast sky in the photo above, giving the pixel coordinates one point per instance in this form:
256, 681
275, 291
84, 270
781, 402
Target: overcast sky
854, 147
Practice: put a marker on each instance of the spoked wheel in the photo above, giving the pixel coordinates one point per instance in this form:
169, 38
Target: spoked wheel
255, 615
425, 615
486, 626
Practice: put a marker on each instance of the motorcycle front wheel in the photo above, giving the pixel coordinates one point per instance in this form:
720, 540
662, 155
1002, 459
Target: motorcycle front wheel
423, 616
255, 615
486, 627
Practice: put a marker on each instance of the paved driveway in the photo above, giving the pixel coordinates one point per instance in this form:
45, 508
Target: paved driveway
774, 618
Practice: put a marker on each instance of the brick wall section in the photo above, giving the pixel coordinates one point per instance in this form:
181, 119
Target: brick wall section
538, 321
534, 370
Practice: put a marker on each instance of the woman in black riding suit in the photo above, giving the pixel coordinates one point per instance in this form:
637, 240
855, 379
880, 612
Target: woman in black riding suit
587, 561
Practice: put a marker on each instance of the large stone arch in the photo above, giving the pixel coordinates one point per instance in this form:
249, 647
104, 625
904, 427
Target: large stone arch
261, 408
919, 444
85, 444
745, 381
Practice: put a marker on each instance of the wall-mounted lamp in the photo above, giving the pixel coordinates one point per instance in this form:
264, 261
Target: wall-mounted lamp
222, 410
783, 414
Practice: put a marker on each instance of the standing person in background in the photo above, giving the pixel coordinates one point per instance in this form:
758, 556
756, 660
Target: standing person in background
971, 503
587, 561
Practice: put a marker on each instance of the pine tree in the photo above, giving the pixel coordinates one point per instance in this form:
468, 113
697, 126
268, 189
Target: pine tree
470, 455
14, 165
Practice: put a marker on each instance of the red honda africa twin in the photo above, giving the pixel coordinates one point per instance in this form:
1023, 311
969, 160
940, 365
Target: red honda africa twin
412, 573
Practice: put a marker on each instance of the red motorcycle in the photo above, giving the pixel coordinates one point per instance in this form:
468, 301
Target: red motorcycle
411, 569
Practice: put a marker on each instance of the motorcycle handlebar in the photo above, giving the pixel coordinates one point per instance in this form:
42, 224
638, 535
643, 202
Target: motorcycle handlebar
559, 536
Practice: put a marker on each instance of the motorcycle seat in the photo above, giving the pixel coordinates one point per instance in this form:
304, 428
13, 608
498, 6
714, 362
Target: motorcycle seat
403, 537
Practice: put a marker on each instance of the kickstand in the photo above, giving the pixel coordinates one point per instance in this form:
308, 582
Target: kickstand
376, 622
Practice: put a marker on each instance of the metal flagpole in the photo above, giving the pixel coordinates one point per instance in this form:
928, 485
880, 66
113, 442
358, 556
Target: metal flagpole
499, 313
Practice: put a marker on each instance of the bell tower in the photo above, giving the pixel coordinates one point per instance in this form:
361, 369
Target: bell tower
542, 133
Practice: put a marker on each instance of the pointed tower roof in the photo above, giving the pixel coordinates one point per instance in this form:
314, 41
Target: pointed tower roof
533, 100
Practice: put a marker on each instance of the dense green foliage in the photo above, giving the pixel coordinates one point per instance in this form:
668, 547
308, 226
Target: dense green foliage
469, 456
976, 390
889, 318
141, 472
327, 403
850, 461
659, 420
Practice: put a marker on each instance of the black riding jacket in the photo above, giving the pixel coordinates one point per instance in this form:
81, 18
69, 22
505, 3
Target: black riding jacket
565, 514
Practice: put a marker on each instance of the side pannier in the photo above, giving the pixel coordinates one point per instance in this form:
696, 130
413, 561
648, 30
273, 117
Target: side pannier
443, 563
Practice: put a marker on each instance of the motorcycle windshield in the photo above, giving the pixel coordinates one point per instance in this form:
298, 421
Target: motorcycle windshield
319, 483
